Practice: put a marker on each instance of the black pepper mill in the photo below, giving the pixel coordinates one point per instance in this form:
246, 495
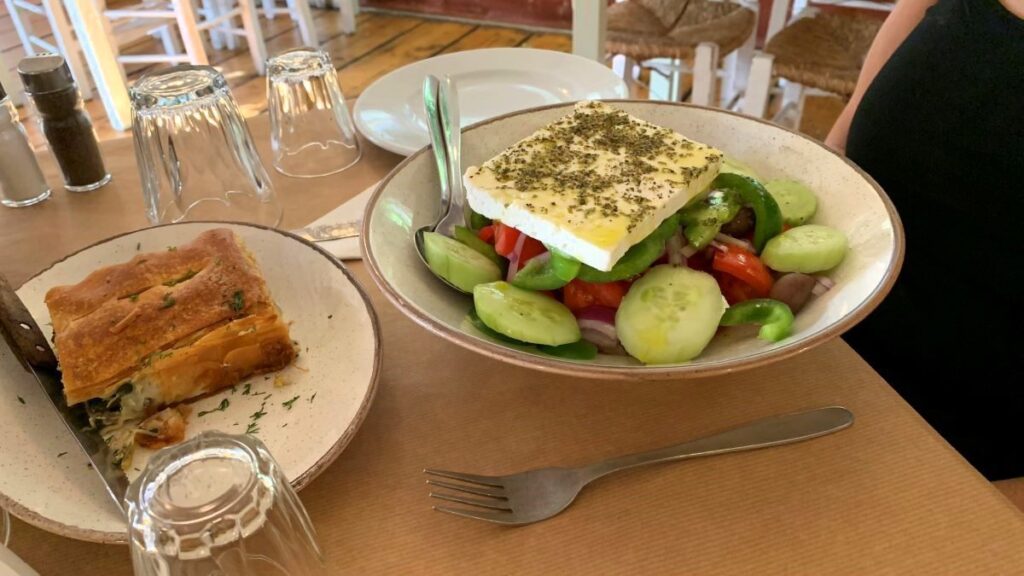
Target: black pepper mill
64, 121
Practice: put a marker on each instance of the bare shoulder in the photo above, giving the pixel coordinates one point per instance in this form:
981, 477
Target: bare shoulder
1014, 6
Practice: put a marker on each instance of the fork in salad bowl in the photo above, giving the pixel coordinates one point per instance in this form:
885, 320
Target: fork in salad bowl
536, 495
438, 244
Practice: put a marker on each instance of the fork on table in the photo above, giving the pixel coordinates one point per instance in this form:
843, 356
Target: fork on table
536, 495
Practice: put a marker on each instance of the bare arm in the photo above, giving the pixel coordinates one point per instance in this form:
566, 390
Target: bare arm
904, 18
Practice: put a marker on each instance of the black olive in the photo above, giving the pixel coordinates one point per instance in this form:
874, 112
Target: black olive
741, 225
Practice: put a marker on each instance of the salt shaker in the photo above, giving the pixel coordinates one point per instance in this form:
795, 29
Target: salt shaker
21, 180
64, 121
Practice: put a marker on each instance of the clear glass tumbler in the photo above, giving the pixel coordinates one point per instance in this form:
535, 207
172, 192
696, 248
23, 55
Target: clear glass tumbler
218, 505
195, 154
312, 133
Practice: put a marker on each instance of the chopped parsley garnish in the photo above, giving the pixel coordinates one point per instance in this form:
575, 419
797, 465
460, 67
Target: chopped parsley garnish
312, 397
20, 399
61, 454
252, 428
180, 279
138, 246
220, 408
288, 403
329, 316
168, 301
237, 303
134, 297
258, 414
172, 248
247, 389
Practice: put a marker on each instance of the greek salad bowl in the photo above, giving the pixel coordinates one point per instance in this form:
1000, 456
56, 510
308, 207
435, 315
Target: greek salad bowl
681, 285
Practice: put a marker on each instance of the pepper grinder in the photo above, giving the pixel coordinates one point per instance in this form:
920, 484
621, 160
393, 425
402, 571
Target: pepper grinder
21, 180
64, 121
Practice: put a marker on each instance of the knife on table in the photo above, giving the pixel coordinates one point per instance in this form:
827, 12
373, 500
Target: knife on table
327, 232
30, 347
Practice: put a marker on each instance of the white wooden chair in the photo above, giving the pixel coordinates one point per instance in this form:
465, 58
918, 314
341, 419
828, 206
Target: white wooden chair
817, 52
184, 14
60, 29
716, 36
221, 37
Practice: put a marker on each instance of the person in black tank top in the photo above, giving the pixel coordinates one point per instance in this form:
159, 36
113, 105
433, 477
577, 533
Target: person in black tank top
941, 128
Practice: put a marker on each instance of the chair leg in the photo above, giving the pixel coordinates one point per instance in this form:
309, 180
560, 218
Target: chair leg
349, 9
254, 35
24, 28
188, 26
169, 40
67, 45
705, 67
793, 97
759, 83
738, 69
226, 6
211, 9
300, 11
11, 83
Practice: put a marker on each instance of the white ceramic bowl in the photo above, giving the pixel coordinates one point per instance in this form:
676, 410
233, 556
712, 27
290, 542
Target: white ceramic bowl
44, 477
848, 200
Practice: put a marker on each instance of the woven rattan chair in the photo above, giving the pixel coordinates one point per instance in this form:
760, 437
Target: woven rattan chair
820, 50
687, 30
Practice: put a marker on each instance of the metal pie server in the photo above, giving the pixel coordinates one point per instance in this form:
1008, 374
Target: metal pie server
30, 347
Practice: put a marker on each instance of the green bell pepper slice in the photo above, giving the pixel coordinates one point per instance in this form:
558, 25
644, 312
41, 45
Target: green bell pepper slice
703, 220
768, 217
478, 221
637, 259
775, 317
548, 274
467, 237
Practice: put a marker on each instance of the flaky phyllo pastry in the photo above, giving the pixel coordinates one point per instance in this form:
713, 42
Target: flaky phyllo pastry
136, 339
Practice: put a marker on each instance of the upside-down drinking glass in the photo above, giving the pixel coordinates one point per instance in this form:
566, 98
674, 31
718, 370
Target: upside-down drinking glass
312, 133
218, 505
195, 155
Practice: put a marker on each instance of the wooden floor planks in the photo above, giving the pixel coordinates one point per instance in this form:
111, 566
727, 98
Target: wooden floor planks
382, 43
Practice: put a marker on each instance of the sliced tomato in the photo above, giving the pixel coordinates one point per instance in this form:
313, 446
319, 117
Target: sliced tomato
531, 249
735, 291
505, 238
745, 267
578, 294
487, 234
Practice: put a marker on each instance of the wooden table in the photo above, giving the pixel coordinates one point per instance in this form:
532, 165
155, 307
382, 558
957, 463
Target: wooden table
887, 495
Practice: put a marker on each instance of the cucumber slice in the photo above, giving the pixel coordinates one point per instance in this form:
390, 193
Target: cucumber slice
524, 315
796, 201
458, 263
669, 315
467, 237
810, 248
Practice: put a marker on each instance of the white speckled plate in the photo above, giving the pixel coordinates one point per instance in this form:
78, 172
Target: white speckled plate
848, 199
44, 478
491, 81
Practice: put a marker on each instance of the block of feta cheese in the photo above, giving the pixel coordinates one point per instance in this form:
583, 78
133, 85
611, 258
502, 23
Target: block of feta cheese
593, 183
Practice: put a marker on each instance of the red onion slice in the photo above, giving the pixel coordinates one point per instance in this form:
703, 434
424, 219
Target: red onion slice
726, 239
598, 313
674, 247
824, 284
513, 259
